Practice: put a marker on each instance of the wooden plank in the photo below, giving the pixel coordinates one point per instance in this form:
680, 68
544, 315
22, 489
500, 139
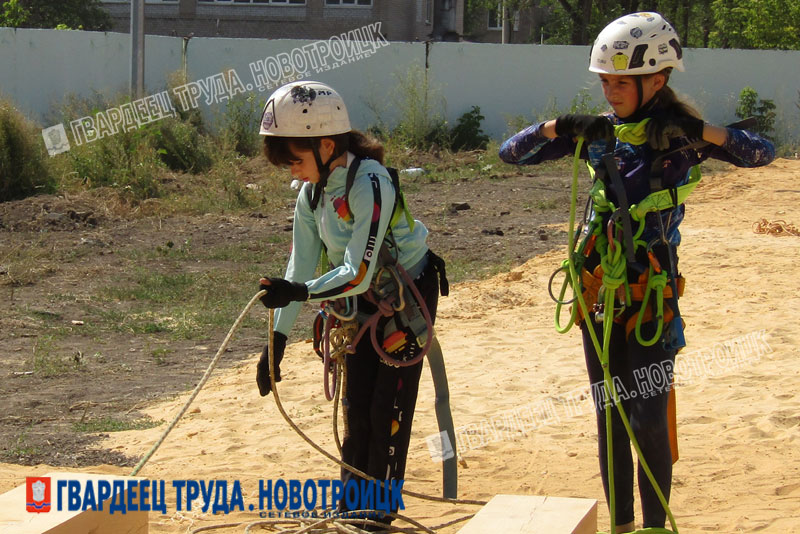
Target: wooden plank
529, 514
15, 519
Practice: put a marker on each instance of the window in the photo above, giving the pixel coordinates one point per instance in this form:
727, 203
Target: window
348, 2
146, 1
496, 19
276, 2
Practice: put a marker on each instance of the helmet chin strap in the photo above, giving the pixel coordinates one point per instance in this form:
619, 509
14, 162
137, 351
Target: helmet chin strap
640, 92
324, 170
641, 109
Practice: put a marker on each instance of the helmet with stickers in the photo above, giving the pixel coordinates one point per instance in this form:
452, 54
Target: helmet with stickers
635, 44
304, 109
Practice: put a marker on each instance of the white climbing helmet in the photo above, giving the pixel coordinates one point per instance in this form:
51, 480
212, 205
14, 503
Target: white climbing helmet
639, 43
304, 109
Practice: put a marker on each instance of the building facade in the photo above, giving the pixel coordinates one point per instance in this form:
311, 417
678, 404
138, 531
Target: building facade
522, 26
401, 20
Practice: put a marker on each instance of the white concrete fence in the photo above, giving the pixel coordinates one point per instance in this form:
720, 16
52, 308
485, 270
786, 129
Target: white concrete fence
38, 68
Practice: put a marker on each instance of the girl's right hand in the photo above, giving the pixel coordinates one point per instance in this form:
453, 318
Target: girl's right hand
590, 127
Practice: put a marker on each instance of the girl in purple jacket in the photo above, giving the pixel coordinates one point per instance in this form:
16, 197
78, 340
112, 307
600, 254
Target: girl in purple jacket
634, 57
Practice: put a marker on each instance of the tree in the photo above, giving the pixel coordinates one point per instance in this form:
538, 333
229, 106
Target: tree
767, 24
74, 14
756, 24
13, 14
580, 14
763, 110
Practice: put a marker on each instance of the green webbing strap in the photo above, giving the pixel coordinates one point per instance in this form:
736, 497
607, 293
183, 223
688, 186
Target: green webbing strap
445, 419
662, 200
401, 207
610, 284
400, 204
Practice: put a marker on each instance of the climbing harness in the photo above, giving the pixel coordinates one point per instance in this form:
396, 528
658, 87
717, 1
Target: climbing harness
617, 243
407, 335
607, 292
337, 333
406, 338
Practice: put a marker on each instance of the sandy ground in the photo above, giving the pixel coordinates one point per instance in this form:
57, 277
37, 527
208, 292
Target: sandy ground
738, 408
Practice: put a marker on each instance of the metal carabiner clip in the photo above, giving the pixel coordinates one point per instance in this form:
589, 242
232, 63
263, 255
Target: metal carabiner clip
330, 308
652, 257
382, 292
610, 226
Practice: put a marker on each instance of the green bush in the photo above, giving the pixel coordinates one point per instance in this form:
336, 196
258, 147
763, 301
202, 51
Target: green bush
24, 168
181, 146
762, 110
421, 122
467, 133
135, 161
127, 161
240, 124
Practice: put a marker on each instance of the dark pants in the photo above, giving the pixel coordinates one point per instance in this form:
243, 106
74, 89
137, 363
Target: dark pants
379, 402
642, 378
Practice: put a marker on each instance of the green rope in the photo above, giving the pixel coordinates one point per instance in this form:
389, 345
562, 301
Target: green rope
574, 311
612, 263
632, 133
655, 282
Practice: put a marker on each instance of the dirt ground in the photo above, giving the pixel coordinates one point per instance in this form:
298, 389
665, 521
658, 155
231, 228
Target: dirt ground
82, 247
519, 393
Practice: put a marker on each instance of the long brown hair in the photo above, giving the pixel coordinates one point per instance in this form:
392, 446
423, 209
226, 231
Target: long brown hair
278, 150
668, 100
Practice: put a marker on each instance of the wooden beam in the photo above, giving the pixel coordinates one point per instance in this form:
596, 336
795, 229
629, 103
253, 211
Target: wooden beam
529, 514
15, 519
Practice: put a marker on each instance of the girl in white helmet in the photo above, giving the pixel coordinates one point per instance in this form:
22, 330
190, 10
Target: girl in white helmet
307, 128
634, 57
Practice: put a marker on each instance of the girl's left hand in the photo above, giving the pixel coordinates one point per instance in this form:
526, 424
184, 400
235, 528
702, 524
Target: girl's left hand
660, 131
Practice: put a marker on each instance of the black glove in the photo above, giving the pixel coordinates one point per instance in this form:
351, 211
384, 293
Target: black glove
590, 127
262, 373
281, 292
659, 131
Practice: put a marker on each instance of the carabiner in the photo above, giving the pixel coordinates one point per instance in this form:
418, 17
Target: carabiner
330, 308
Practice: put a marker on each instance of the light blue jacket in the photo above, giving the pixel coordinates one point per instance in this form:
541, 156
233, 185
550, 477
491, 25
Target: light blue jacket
352, 242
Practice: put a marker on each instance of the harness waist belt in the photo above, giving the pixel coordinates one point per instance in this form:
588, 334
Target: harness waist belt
593, 283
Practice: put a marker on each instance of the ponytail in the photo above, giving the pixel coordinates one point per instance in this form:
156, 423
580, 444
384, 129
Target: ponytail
360, 145
668, 99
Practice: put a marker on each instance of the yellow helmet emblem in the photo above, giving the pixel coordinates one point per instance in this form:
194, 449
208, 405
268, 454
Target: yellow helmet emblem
620, 61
